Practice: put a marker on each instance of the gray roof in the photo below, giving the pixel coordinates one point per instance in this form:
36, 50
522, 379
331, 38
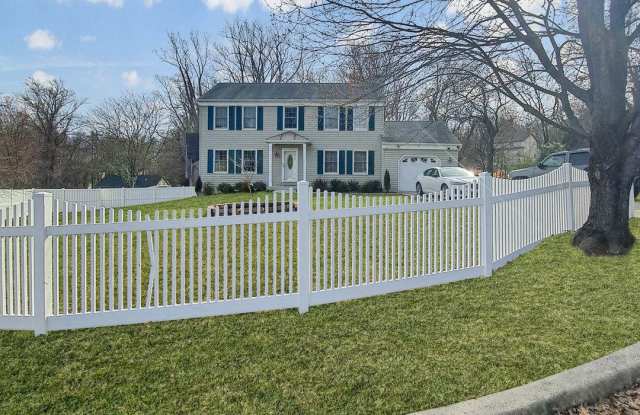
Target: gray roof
418, 132
293, 91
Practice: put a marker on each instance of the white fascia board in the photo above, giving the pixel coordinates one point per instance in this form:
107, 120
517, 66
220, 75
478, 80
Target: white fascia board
419, 146
277, 102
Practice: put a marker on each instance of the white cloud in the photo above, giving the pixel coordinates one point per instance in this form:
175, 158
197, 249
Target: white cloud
150, 3
87, 39
285, 5
42, 77
110, 3
229, 6
41, 40
131, 78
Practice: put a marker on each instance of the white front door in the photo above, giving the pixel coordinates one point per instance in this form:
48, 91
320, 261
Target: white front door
290, 165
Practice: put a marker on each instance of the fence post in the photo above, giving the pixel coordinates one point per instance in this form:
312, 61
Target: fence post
570, 216
304, 246
486, 223
124, 197
42, 248
632, 202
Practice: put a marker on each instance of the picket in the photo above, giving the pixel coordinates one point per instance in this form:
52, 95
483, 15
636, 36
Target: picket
108, 267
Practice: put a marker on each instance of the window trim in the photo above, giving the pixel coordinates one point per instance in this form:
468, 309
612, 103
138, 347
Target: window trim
284, 119
366, 164
324, 118
255, 112
215, 117
324, 162
226, 161
365, 125
255, 162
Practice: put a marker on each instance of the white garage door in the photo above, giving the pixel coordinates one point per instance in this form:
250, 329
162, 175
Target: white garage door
411, 167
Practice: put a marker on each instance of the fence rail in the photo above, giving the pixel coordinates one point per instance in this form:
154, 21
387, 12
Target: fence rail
66, 266
107, 198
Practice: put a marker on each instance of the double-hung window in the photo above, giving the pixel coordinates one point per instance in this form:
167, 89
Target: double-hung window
249, 161
359, 162
222, 117
249, 118
361, 118
331, 162
221, 161
331, 118
291, 117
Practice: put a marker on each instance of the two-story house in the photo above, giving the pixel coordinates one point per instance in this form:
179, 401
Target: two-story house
286, 132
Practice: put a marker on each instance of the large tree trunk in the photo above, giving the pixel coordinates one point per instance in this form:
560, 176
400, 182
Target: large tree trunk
606, 231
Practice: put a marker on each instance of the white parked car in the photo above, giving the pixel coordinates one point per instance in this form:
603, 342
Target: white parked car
438, 179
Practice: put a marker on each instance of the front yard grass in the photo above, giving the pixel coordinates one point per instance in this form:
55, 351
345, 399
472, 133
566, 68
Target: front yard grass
550, 310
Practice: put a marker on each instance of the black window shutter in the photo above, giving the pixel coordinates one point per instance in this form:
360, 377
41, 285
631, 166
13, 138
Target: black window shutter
260, 118
210, 118
350, 119
343, 120
259, 162
349, 162
280, 121
371, 163
209, 160
232, 117
320, 162
372, 118
238, 118
300, 118
320, 118
341, 162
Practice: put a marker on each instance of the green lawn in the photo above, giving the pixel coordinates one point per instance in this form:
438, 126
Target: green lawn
550, 310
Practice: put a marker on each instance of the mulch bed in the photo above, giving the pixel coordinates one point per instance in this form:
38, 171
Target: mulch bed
621, 403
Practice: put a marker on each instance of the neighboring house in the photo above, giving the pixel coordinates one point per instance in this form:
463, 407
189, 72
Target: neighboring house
516, 145
150, 180
110, 182
283, 133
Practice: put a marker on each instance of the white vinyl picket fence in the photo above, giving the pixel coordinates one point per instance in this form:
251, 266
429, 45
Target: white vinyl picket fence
66, 267
107, 198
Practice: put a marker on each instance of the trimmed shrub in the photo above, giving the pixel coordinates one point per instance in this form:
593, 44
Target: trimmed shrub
319, 184
259, 187
353, 186
372, 186
208, 190
226, 188
338, 186
199, 186
243, 187
387, 181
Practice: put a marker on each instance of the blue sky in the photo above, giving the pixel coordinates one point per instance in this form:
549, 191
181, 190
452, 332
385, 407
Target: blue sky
101, 48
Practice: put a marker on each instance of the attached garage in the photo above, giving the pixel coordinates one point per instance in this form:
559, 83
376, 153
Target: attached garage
411, 166
410, 147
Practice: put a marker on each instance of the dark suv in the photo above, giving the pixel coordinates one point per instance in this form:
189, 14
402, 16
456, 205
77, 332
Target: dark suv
578, 158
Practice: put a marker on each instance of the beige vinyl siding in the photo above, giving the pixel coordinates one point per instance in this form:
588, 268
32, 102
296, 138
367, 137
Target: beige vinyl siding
342, 140
320, 140
392, 157
235, 140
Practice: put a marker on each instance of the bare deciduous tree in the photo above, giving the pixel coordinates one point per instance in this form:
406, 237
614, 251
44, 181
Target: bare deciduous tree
574, 54
131, 127
18, 153
261, 53
53, 114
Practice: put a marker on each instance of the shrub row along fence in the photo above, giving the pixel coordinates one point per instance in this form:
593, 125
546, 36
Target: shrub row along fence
67, 267
107, 198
